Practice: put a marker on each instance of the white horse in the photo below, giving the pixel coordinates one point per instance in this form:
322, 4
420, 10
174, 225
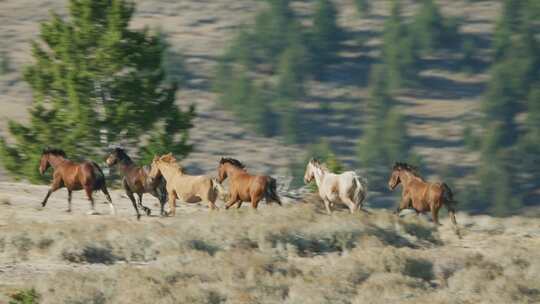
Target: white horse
346, 188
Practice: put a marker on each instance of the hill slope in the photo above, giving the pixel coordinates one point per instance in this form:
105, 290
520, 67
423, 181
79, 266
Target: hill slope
201, 30
292, 254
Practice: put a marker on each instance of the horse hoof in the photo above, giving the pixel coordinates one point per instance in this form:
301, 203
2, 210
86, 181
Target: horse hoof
68, 211
138, 217
92, 212
148, 211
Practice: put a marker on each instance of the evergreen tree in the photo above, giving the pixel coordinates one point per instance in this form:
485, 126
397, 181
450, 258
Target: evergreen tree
433, 30
326, 36
363, 7
278, 53
399, 50
507, 173
385, 138
95, 81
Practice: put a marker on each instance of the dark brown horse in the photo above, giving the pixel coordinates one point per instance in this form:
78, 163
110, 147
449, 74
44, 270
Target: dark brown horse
420, 195
136, 180
74, 176
244, 187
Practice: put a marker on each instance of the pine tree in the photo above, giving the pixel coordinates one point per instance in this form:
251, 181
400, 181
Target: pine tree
95, 81
363, 7
385, 139
326, 36
433, 31
399, 50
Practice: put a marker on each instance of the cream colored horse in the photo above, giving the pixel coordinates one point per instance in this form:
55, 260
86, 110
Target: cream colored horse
186, 188
346, 188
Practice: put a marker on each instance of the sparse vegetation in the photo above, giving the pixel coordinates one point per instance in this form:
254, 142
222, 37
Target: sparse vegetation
280, 255
28, 296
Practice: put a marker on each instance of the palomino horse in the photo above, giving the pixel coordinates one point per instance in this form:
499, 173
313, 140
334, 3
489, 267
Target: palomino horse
187, 188
74, 176
420, 195
346, 188
244, 187
136, 181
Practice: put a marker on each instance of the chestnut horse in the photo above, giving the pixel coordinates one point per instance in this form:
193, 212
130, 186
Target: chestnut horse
74, 176
187, 188
420, 195
244, 187
136, 181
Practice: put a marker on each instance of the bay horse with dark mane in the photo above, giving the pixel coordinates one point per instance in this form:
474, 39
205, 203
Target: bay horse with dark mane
86, 175
244, 187
136, 181
420, 195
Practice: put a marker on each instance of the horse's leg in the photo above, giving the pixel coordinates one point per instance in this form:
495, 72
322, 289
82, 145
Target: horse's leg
172, 203
55, 185
327, 206
452, 214
108, 196
212, 203
132, 198
402, 204
69, 201
88, 191
352, 206
435, 215
232, 200
146, 209
255, 199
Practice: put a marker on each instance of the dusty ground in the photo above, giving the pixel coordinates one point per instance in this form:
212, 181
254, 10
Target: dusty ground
292, 254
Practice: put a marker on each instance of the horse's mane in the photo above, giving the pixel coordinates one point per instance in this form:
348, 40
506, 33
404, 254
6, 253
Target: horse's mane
122, 155
404, 166
233, 162
53, 151
171, 160
320, 165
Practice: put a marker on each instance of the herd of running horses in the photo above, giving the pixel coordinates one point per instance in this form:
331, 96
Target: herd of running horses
167, 180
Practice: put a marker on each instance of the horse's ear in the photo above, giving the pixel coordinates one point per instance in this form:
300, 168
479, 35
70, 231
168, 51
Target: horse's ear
156, 157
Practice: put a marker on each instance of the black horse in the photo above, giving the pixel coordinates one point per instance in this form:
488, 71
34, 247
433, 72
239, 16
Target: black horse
136, 180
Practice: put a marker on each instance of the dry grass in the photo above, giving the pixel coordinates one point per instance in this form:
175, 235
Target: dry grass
293, 254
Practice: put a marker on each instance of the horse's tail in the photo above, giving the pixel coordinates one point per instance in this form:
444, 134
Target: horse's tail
220, 190
161, 190
360, 191
270, 193
447, 194
450, 203
99, 182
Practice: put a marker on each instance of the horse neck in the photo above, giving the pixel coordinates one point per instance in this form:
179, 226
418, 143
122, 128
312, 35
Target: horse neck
319, 174
168, 171
125, 165
56, 160
233, 171
407, 177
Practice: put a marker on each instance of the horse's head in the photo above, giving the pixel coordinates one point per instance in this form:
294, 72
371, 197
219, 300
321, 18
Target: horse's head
50, 157
113, 158
44, 163
395, 177
154, 168
310, 174
222, 171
